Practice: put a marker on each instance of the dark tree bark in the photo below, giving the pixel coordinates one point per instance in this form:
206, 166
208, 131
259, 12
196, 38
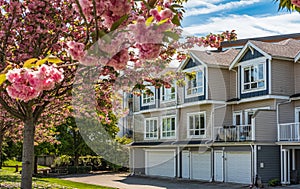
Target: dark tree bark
28, 153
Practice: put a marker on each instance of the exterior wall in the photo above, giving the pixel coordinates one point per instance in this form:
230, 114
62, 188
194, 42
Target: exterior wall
182, 120
282, 78
136, 103
180, 95
138, 128
297, 77
265, 126
218, 84
286, 113
138, 161
222, 115
233, 84
269, 157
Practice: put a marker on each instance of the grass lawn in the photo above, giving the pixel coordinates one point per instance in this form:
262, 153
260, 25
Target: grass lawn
12, 180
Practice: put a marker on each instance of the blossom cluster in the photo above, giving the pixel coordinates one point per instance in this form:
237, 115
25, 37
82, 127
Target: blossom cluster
27, 84
296, 3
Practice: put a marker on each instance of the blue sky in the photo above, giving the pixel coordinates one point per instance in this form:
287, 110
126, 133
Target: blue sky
250, 18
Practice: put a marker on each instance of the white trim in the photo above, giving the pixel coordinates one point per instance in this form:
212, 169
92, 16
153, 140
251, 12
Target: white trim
265, 97
155, 110
202, 70
234, 117
243, 51
188, 125
148, 96
148, 119
161, 127
270, 74
297, 57
255, 63
202, 102
297, 111
175, 93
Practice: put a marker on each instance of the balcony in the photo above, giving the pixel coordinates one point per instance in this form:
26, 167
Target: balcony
233, 133
289, 132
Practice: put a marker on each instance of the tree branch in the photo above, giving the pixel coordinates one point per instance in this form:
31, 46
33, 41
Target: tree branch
11, 110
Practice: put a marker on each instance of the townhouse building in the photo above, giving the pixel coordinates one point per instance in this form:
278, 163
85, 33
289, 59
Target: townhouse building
236, 120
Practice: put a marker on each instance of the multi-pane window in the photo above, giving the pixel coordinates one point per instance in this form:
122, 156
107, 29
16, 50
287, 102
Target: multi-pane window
168, 127
148, 99
151, 131
237, 118
195, 85
168, 94
248, 117
196, 125
254, 77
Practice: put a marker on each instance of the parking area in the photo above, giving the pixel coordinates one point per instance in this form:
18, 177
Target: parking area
125, 181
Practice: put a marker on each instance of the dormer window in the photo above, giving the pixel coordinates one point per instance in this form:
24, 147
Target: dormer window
253, 76
168, 94
195, 86
148, 99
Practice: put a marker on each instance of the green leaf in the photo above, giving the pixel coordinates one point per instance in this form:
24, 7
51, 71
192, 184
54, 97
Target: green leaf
172, 35
29, 63
149, 21
176, 20
117, 23
2, 78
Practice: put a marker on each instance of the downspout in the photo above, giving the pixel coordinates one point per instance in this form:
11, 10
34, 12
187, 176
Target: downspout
253, 163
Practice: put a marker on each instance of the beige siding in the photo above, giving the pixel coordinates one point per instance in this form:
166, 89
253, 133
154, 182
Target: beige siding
138, 128
218, 84
286, 113
255, 104
265, 126
297, 77
222, 116
282, 77
232, 84
183, 121
138, 161
180, 95
136, 103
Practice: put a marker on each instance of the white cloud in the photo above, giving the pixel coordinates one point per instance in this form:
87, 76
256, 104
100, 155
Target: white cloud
210, 7
249, 26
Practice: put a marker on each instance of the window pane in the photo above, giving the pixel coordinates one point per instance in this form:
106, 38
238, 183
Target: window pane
191, 124
197, 132
261, 84
237, 119
246, 75
253, 85
197, 122
260, 71
173, 123
247, 86
202, 121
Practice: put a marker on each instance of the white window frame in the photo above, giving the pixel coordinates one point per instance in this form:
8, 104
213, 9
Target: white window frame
297, 111
234, 117
168, 92
149, 130
246, 116
194, 129
162, 127
151, 97
255, 63
201, 69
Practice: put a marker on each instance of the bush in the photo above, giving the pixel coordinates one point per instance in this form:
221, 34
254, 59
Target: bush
274, 182
62, 161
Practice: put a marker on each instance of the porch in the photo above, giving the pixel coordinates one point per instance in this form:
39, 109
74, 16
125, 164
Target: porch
233, 133
289, 132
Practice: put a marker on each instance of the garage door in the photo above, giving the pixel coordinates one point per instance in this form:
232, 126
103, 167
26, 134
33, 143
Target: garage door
201, 166
238, 167
160, 163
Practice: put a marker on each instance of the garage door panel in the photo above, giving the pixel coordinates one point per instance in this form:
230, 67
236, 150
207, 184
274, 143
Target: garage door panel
201, 166
238, 167
160, 163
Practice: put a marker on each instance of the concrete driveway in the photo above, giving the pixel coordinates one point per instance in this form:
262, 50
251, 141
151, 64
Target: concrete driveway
124, 181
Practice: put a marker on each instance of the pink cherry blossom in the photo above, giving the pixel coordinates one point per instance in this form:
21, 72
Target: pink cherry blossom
296, 3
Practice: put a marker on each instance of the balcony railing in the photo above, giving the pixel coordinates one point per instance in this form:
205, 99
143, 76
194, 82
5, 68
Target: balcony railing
233, 133
289, 132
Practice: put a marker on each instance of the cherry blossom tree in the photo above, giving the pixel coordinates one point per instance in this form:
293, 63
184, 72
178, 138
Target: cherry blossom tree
124, 39
291, 5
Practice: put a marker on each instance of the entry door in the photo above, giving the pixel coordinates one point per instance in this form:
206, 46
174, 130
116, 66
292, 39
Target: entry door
186, 164
218, 166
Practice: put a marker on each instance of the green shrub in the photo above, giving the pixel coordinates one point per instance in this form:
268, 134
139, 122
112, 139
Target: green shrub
79, 169
62, 161
274, 182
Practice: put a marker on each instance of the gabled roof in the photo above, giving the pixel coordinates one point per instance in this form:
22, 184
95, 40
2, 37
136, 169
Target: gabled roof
216, 58
212, 58
288, 48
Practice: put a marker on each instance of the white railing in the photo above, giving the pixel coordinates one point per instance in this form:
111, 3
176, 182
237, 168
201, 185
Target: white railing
289, 132
233, 133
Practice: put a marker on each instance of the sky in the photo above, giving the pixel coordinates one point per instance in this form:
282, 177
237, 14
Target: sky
250, 18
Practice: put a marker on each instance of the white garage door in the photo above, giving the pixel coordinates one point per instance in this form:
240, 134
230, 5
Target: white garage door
160, 163
201, 166
238, 167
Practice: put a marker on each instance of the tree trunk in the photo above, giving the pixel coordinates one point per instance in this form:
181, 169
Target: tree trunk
1, 141
28, 154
